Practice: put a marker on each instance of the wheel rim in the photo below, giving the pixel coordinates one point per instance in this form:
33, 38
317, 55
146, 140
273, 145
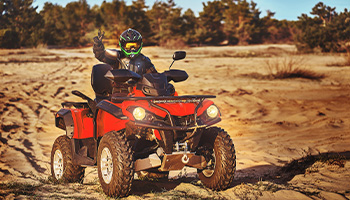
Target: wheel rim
106, 165
58, 164
209, 171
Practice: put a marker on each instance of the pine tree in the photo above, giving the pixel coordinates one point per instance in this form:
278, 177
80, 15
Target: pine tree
76, 16
20, 24
210, 30
54, 28
327, 30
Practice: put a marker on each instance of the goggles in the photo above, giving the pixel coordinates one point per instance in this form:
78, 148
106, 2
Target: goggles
132, 46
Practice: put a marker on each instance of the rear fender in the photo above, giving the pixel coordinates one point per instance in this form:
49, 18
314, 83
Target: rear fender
64, 120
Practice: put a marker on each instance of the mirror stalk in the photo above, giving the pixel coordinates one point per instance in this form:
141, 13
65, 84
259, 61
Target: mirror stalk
171, 64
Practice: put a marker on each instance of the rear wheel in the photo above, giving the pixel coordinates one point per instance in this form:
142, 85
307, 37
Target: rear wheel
62, 167
115, 164
217, 148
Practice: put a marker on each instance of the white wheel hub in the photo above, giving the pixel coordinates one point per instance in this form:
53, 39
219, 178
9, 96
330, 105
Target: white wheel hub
58, 164
106, 165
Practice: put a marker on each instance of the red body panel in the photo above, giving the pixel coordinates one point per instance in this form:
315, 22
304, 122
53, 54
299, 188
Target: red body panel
179, 109
107, 122
83, 125
141, 103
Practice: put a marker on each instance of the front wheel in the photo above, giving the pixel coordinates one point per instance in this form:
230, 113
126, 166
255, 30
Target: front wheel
115, 164
217, 148
62, 167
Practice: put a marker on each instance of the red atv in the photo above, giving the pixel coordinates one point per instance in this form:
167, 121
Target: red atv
151, 130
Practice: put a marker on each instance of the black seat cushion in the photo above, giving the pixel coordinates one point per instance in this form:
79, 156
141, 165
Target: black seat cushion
100, 84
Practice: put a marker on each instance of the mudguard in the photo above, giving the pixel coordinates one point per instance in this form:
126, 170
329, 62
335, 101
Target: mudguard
64, 120
111, 109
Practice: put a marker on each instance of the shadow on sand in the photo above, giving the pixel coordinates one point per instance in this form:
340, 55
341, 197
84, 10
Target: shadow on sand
272, 173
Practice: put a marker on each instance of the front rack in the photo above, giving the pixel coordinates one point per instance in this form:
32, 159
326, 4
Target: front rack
166, 99
170, 99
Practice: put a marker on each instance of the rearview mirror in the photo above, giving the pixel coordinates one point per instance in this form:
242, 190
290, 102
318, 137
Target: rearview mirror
178, 55
176, 75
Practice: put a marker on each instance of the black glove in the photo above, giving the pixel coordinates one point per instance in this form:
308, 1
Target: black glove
98, 39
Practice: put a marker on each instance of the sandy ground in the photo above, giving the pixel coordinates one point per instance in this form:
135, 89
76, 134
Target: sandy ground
292, 136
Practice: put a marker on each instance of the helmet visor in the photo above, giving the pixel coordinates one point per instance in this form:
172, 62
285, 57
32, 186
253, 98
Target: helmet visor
129, 46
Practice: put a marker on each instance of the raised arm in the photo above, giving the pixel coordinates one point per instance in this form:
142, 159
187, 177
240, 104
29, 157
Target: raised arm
106, 56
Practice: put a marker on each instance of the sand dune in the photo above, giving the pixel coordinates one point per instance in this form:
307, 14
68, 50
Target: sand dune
291, 135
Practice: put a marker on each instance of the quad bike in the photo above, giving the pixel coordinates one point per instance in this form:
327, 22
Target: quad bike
151, 130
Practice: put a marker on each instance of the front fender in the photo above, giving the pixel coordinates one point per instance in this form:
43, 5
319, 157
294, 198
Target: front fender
111, 109
203, 118
205, 104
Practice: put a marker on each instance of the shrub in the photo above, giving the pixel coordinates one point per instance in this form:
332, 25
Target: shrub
290, 67
9, 39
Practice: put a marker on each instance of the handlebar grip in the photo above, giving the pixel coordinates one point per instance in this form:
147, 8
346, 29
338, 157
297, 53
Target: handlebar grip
81, 95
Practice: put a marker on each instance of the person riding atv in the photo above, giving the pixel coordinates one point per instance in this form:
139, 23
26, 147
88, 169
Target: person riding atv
130, 57
130, 43
151, 130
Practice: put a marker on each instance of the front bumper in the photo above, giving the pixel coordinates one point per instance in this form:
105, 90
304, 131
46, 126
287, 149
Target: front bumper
163, 126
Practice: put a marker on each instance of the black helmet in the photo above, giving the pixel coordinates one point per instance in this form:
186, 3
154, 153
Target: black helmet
130, 42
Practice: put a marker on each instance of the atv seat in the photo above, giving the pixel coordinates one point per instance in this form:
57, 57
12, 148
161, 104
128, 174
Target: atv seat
100, 84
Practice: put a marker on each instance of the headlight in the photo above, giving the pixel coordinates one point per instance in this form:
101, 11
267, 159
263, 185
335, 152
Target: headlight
139, 113
212, 111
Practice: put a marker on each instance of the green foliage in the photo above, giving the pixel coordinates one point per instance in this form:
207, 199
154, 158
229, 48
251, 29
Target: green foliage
189, 27
137, 19
54, 28
76, 17
241, 21
210, 23
220, 22
113, 15
166, 22
327, 30
20, 24
9, 39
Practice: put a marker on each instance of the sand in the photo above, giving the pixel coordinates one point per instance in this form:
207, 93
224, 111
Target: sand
291, 136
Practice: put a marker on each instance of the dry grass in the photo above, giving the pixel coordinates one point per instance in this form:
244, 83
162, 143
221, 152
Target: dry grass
18, 188
286, 68
290, 67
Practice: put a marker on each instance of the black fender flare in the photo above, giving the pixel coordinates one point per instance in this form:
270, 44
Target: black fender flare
111, 109
64, 120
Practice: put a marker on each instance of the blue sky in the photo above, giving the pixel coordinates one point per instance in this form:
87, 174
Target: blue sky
284, 9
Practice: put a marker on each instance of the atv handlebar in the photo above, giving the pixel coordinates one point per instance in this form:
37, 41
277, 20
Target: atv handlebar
81, 95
